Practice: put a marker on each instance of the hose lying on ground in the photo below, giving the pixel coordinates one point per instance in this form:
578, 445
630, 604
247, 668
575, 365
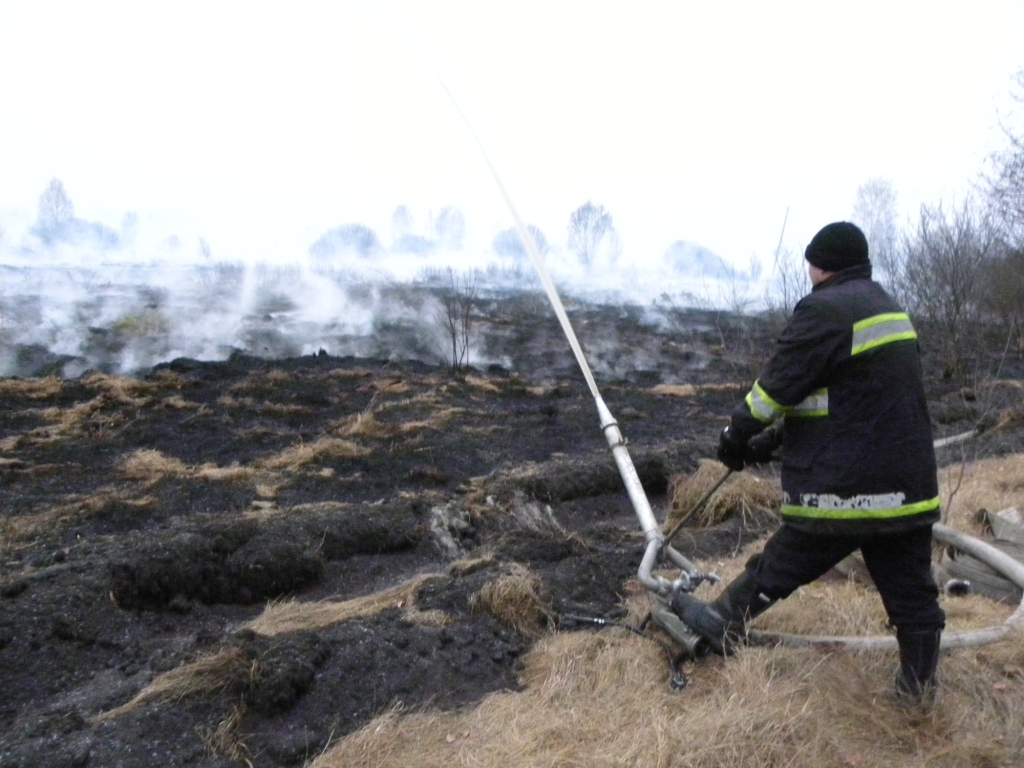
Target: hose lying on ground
1001, 562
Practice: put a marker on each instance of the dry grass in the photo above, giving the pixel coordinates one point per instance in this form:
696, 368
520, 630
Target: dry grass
391, 386
148, 464
293, 616
207, 675
259, 381
600, 699
675, 390
266, 407
744, 493
235, 473
170, 379
350, 373
178, 403
436, 421
992, 484
66, 423
689, 390
482, 384
34, 389
515, 598
124, 390
298, 456
469, 565
363, 424
429, 397
224, 739
151, 466
72, 508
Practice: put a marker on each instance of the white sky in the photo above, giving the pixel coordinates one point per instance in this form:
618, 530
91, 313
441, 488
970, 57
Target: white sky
259, 125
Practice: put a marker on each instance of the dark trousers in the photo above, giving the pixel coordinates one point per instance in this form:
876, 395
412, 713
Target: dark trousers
900, 565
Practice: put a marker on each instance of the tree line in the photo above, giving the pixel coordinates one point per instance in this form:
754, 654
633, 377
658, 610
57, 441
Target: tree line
958, 266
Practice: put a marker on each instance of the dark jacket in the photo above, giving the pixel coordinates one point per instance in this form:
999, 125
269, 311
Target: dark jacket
846, 374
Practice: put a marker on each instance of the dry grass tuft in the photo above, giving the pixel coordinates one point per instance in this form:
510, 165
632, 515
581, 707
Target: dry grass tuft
436, 421
91, 416
298, 456
179, 403
470, 565
391, 386
234, 473
516, 598
168, 378
363, 424
744, 493
224, 739
482, 384
675, 390
292, 616
148, 464
992, 484
208, 674
726, 387
151, 466
600, 700
124, 390
689, 390
268, 490
70, 509
34, 389
350, 373
262, 382
268, 408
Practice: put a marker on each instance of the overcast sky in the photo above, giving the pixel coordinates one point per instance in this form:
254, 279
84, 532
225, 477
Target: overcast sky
259, 126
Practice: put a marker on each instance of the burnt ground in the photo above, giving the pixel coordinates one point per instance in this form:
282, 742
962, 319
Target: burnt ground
147, 520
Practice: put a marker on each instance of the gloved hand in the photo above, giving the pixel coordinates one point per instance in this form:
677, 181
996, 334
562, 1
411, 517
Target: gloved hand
760, 447
731, 449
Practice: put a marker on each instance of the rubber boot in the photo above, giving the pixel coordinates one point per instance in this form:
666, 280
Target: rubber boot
723, 622
919, 657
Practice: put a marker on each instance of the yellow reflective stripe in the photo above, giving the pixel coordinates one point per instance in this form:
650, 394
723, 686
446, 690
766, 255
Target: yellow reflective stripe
881, 329
761, 405
815, 404
851, 513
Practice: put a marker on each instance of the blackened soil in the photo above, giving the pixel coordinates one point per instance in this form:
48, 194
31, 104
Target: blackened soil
146, 520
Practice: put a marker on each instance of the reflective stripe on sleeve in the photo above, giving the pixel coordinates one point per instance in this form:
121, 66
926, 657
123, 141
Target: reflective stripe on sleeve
815, 404
825, 506
881, 329
761, 405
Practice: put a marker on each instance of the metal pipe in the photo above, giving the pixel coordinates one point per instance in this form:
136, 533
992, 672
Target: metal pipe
652, 531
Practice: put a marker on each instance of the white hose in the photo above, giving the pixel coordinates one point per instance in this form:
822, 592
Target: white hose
1000, 561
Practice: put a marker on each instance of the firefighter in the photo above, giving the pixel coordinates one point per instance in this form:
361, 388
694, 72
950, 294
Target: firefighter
858, 465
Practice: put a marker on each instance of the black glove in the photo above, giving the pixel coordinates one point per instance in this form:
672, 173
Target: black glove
760, 448
731, 449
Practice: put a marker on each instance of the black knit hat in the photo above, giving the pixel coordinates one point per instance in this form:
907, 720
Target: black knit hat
837, 246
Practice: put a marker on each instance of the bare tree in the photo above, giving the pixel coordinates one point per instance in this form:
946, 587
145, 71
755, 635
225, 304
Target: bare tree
589, 225
509, 243
1003, 294
788, 285
455, 316
55, 207
943, 275
448, 227
875, 212
1005, 177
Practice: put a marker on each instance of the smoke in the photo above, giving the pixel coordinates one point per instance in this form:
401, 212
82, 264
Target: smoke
77, 295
